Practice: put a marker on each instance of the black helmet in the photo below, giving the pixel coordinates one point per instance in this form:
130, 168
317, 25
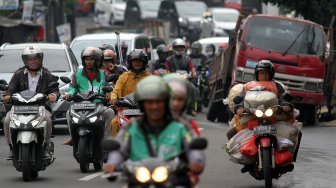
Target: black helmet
106, 47
162, 51
137, 54
264, 65
196, 48
94, 53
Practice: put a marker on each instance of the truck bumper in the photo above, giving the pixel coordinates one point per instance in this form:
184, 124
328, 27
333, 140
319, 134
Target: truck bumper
301, 97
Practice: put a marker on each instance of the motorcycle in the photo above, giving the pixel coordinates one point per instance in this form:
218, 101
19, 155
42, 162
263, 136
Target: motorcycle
126, 108
87, 128
265, 143
202, 86
154, 172
27, 129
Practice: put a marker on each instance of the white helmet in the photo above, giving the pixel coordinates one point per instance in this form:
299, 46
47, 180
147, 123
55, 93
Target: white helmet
178, 43
32, 51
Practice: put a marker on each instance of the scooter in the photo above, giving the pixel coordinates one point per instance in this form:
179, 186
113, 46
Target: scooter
154, 172
87, 128
27, 129
126, 109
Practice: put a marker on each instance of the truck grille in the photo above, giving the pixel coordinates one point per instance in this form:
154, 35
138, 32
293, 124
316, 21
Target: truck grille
292, 84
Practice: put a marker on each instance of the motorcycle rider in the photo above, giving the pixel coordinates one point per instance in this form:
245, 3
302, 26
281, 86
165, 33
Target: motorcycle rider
152, 95
180, 61
126, 83
106, 47
210, 51
109, 66
124, 48
162, 52
35, 77
196, 54
87, 79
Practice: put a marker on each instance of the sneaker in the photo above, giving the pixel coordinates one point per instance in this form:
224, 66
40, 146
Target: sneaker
68, 142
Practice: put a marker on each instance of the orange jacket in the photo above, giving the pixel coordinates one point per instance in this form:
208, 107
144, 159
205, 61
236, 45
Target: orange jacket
126, 83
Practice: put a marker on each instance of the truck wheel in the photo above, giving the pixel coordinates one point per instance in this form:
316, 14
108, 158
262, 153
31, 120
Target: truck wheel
224, 113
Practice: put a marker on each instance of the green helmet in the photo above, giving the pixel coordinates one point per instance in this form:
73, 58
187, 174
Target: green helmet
151, 87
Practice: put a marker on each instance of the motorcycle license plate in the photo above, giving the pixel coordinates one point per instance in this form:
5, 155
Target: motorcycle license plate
84, 106
132, 112
26, 109
264, 130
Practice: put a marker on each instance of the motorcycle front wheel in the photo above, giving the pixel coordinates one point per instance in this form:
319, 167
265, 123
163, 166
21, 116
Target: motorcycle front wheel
83, 157
25, 154
267, 166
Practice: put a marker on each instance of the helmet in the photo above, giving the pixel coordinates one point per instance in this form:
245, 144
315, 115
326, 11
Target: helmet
109, 55
176, 83
196, 48
179, 43
137, 54
152, 87
32, 51
94, 52
162, 51
210, 50
123, 45
106, 47
264, 65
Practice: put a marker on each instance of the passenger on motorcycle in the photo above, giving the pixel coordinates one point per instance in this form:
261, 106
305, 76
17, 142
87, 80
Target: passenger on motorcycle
196, 55
126, 83
157, 127
109, 66
89, 78
162, 51
32, 76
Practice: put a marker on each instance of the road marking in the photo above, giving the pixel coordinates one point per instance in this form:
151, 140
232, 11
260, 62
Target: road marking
90, 177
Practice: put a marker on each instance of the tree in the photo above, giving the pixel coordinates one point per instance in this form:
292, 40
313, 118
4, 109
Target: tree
319, 11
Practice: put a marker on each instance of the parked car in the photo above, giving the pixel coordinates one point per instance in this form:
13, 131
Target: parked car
219, 22
134, 41
184, 17
219, 42
58, 59
109, 12
138, 10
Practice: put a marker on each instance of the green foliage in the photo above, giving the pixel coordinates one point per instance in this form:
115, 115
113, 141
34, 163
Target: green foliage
319, 11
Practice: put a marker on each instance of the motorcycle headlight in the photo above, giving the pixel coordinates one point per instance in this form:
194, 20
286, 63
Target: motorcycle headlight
269, 112
75, 120
160, 174
93, 119
142, 174
259, 113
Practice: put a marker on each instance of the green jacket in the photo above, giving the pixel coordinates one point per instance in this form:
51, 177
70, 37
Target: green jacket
81, 82
167, 145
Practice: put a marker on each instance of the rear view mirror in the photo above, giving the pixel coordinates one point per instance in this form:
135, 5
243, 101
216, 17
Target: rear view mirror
3, 82
107, 89
65, 79
198, 143
3, 87
110, 145
53, 84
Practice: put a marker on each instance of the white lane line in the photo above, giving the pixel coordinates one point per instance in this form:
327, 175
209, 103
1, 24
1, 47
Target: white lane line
90, 177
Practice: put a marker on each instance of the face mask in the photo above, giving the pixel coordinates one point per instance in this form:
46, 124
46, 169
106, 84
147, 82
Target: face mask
209, 53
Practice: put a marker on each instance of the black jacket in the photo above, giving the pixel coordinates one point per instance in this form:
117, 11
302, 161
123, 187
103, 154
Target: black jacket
19, 82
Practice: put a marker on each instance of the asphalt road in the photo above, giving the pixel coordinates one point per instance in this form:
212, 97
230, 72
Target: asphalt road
316, 166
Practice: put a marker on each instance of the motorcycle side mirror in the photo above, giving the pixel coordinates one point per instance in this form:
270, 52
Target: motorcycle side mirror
238, 99
53, 84
107, 89
65, 79
3, 87
112, 78
198, 143
3, 82
110, 144
288, 97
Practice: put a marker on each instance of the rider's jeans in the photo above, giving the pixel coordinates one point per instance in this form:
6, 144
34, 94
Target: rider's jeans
47, 130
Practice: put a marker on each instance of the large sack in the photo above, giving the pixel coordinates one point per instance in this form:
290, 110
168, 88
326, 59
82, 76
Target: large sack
282, 157
233, 147
284, 144
254, 99
236, 90
289, 131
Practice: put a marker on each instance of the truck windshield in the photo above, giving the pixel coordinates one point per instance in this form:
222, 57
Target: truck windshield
285, 36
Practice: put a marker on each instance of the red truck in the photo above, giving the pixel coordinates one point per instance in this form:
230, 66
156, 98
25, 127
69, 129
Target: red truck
297, 49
